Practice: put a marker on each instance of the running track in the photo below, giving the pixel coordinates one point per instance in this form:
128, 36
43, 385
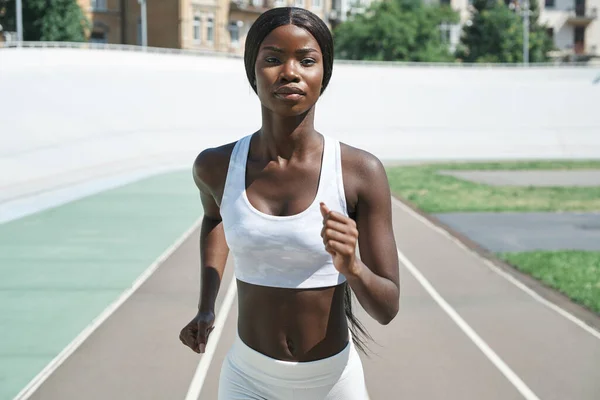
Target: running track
465, 330
475, 335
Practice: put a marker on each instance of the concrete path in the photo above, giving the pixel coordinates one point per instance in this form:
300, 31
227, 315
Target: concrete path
510, 231
465, 331
542, 178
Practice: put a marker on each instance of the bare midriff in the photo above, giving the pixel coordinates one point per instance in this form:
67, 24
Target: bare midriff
292, 324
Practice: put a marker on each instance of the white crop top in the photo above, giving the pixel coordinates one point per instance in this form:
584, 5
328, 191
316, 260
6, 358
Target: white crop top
281, 251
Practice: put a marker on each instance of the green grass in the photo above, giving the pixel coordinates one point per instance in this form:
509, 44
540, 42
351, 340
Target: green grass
574, 273
435, 193
519, 165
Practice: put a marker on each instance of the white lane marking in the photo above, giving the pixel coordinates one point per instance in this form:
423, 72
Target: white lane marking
200, 375
500, 272
475, 338
542, 300
36, 382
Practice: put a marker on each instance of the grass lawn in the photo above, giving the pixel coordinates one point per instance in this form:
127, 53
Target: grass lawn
574, 273
435, 193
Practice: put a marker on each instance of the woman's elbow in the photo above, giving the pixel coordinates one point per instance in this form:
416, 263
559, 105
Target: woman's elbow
390, 313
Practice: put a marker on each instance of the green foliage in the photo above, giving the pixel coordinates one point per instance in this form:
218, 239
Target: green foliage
395, 30
46, 20
496, 35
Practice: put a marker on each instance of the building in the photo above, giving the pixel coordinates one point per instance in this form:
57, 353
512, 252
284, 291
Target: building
222, 25
242, 13
209, 25
341, 10
109, 20
574, 26
120, 22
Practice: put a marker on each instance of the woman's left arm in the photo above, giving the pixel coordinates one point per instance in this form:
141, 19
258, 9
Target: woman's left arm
375, 277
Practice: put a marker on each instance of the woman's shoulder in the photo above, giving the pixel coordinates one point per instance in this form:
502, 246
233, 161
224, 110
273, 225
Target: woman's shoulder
363, 174
360, 163
211, 165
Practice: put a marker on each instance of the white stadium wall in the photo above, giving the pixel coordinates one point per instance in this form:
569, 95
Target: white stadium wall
68, 114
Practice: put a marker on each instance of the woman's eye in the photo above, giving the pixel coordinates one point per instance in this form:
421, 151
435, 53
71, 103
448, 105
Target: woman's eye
271, 60
308, 61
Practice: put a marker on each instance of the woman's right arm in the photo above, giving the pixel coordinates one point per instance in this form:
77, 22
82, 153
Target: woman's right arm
208, 176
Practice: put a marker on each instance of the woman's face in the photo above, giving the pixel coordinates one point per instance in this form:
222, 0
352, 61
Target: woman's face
289, 71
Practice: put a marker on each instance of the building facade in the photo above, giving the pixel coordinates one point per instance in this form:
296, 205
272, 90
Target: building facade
573, 25
209, 25
243, 13
222, 25
341, 10
113, 21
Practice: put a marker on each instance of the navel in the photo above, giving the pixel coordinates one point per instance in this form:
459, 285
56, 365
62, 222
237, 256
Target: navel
290, 345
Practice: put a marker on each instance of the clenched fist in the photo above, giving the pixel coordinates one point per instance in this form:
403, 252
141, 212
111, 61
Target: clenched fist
340, 237
195, 333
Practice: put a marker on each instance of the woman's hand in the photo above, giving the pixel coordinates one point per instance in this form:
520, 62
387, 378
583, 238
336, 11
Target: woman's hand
340, 237
195, 333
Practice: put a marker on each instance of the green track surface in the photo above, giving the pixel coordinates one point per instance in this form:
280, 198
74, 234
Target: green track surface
60, 268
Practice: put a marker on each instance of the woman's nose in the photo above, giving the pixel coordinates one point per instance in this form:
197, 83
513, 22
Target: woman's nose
289, 72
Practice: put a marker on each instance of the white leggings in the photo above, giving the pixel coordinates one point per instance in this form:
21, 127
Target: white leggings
249, 375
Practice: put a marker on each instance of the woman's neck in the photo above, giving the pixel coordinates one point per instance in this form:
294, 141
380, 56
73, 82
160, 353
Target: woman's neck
281, 138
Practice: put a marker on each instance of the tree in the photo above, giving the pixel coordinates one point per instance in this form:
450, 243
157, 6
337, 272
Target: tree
495, 34
395, 30
47, 20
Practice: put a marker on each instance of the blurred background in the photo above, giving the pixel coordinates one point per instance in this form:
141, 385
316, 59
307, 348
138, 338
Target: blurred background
484, 113
409, 30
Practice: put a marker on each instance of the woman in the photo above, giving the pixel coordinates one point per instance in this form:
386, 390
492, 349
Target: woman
291, 205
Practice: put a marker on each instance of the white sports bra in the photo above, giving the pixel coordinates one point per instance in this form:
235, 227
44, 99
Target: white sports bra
281, 251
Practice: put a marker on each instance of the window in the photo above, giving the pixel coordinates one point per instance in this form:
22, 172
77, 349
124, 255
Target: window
580, 8
579, 41
455, 32
98, 37
279, 3
445, 29
210, 28
234, 32
579, 34
99, 5
299, 3
549, 3
99, 33
317, 4
445, 2
550, 33
197, 29
257, 3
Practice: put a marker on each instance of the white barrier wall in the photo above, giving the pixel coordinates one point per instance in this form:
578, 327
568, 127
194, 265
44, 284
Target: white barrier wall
68, 114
